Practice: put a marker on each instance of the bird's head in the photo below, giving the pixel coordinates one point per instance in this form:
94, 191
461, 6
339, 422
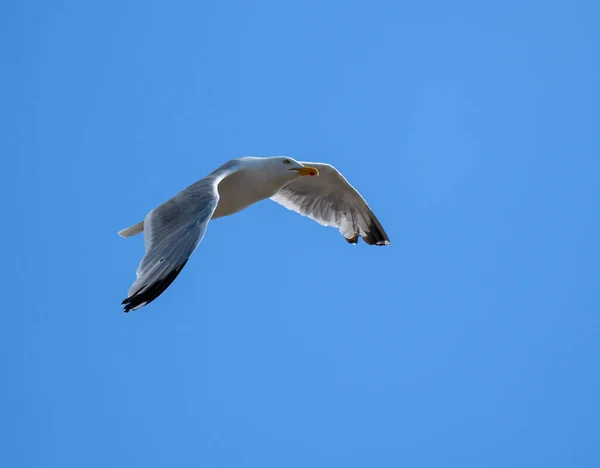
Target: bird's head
289, 168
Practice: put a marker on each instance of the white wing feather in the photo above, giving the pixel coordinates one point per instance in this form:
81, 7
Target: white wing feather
330, 200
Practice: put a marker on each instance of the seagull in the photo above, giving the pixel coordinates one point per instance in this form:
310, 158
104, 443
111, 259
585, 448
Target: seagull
173, 230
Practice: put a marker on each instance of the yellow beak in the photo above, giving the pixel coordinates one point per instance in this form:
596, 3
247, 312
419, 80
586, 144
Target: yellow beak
306, 170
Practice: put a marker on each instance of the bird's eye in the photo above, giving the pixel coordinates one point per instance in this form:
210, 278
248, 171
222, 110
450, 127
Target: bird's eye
286, 161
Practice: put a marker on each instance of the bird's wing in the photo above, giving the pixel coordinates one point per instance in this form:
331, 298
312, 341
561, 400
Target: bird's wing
172, 232
331, 201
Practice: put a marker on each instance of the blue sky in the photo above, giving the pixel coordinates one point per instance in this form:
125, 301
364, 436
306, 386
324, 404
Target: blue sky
470, 127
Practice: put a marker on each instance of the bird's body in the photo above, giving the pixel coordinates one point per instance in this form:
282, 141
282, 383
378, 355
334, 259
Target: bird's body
257, 186
173, 230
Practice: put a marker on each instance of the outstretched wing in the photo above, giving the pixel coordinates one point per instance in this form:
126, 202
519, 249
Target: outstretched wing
331, 201
172, 232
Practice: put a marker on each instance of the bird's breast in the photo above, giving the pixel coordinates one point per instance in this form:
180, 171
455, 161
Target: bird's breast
240, 190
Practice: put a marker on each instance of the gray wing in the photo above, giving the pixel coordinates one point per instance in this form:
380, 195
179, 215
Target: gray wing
172, 232
331, 201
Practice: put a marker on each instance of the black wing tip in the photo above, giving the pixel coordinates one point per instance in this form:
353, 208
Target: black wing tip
131, 303
369, 239
378, 243
376, 235
149, 293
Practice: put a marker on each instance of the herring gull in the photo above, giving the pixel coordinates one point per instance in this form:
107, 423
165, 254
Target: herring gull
173, 230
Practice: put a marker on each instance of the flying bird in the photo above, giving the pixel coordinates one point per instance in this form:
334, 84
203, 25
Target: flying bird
173, 230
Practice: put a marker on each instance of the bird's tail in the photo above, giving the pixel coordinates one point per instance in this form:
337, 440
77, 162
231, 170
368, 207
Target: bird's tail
132, 230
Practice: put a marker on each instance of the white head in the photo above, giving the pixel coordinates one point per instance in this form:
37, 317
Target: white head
283, 167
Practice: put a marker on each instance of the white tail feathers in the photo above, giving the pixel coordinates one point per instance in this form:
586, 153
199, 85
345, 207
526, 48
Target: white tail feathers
132, 230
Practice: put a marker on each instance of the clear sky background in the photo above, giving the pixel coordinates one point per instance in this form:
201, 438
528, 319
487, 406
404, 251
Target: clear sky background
470, 127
